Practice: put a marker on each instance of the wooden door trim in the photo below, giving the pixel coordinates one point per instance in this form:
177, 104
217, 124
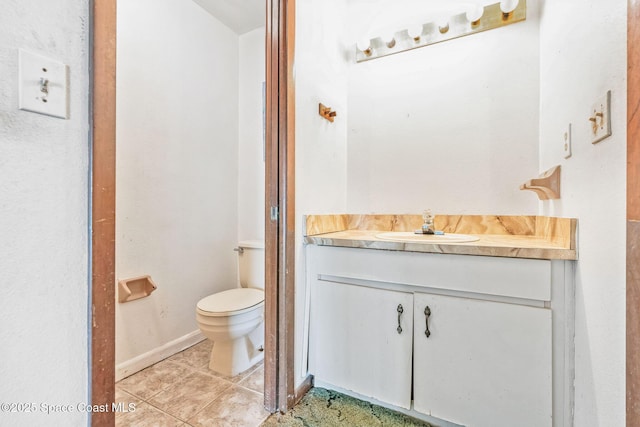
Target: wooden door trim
280, 194
633, 111
103, 120
286, 282
271, 199
633, 216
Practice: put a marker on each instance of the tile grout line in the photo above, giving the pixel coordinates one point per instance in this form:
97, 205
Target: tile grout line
165, 412
222, 392
190, 369
156, 408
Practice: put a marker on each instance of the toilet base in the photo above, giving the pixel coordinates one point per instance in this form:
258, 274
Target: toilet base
232, 357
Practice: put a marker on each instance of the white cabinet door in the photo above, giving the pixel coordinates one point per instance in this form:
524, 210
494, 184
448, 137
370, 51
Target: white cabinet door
355, 342
484, 364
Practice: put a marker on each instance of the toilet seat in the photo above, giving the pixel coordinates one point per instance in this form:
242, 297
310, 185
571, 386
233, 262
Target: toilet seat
231, 302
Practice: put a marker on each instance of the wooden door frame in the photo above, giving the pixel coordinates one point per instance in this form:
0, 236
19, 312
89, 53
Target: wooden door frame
280, 192
280, 208
103, 201
633, 216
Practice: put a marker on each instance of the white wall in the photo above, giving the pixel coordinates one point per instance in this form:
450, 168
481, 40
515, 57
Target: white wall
452, 127
177, 151
250, 142
583, 54
44, 219
321, 146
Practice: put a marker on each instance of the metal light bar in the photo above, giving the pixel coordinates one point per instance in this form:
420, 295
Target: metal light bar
432, 33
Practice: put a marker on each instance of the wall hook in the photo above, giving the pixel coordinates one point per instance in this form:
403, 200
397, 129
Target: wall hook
326, 112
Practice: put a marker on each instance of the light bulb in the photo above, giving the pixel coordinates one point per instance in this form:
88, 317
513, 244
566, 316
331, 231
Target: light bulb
415, 31
443, 25
388, 39
364, 45
508, 6
474, 13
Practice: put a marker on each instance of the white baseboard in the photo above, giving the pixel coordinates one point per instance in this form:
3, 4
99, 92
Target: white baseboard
138, 363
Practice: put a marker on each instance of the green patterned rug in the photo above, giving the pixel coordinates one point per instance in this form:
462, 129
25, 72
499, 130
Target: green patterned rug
326, 408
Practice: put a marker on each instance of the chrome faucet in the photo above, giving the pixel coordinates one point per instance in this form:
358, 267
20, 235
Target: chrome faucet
427, 226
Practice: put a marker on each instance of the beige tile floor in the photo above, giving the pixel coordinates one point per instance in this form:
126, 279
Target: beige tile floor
182, 391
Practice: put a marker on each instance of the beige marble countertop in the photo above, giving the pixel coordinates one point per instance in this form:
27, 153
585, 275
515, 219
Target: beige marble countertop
542, 238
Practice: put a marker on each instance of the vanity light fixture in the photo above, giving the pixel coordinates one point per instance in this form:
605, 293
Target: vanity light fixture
474, 20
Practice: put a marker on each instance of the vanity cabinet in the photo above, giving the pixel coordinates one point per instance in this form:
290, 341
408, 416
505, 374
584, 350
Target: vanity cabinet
498, 350
484, 363
363, 338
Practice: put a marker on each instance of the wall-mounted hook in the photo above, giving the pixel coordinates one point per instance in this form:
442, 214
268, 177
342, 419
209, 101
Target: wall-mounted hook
326, 112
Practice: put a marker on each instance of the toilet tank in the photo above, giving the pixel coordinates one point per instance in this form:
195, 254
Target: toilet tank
251, 264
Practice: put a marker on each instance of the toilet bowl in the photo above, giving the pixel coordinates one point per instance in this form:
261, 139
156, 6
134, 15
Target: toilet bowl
234, 319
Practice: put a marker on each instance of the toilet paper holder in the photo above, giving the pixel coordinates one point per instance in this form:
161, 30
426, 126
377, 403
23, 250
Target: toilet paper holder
547, 186
135, 288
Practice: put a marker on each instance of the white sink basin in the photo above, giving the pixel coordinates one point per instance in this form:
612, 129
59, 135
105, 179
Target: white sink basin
411, 237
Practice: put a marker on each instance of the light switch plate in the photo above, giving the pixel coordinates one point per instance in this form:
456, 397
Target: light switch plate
600, 119
566, 142
43, 85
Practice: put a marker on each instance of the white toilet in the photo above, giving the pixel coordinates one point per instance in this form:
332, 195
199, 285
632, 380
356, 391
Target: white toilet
234, 319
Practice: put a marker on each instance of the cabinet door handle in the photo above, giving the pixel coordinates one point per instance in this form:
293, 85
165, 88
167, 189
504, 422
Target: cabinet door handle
427, 313
400, 310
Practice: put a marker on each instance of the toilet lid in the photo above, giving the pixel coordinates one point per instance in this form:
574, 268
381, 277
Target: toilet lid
231, 300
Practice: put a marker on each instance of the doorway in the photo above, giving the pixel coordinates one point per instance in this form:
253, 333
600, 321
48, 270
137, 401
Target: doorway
279, 208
